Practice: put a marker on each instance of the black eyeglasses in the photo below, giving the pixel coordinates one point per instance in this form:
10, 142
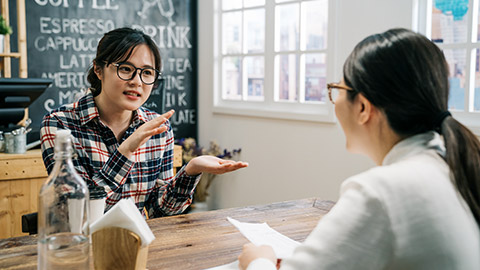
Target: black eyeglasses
127, 71
333, 90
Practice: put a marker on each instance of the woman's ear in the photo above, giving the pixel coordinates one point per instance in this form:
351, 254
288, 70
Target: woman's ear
365, 109
98, 71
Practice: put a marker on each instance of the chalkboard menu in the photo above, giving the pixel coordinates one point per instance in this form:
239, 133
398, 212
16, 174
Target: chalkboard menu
62, 36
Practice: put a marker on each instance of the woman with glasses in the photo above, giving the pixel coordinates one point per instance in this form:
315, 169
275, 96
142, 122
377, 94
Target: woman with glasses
120, 145
420, 207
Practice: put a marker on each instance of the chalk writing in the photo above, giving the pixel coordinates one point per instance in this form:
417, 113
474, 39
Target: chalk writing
167, 37
95, 4
63, 36
82, 26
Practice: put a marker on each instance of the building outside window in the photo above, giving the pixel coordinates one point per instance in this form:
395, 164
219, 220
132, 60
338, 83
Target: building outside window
454, 27
273, 58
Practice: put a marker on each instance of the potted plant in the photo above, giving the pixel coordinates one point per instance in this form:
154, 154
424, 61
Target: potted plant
5, 29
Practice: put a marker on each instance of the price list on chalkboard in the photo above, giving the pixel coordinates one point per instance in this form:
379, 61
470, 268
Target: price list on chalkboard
62, 36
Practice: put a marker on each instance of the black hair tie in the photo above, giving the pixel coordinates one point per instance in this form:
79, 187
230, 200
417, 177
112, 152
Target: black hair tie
438, 120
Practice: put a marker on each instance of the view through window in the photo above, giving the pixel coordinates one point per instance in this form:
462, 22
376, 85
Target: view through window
274, 52
453, 26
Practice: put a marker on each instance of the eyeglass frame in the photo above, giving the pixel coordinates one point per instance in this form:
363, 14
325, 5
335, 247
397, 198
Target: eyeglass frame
159, 74
337, 86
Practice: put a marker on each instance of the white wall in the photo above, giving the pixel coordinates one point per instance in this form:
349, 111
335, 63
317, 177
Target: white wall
288, 159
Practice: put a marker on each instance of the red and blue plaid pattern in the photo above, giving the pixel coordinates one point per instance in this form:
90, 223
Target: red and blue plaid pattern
148, 179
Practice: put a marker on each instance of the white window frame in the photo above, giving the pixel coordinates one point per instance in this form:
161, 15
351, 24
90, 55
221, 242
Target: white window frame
317, 112
423, 16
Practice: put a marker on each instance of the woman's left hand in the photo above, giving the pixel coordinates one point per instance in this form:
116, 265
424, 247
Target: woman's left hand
211, 164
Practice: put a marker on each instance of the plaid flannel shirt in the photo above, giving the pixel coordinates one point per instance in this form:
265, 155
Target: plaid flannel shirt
148, 178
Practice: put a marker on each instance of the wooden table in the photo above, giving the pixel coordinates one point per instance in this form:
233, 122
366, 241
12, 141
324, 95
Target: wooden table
198, 240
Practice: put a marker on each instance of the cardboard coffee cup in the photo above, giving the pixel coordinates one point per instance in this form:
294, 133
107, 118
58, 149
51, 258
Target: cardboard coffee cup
97, 202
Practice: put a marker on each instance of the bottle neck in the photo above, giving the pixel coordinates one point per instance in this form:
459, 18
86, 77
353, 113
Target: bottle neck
63, 150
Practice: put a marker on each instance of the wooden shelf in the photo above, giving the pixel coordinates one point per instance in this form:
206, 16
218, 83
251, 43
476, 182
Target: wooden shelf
12, 54
7, 55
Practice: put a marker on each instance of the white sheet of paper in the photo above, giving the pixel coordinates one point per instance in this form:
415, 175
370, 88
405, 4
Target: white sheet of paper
262, 234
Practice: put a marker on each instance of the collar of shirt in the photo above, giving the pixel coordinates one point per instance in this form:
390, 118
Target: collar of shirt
89, 111
414, 145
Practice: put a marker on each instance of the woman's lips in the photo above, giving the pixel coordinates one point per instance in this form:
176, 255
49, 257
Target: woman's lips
131, 93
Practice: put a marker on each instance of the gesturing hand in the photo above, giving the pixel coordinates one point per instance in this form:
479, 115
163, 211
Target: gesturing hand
213, 165
144, 133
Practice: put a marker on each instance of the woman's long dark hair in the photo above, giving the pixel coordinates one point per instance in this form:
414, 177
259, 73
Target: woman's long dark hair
117, 46
406, 75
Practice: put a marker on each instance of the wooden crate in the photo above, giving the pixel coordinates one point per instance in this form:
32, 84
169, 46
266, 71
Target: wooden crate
21, 177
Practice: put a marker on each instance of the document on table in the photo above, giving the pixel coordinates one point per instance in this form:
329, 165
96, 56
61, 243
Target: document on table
262, 234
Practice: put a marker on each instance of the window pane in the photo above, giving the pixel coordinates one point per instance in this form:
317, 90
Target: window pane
449, 21
231, 4
476, 100
282, 1
287, 77
254, 30
253, 3
232, 32
478, 25
315, 25
232, 84
456, 62
315, 77
254, 74
286, 27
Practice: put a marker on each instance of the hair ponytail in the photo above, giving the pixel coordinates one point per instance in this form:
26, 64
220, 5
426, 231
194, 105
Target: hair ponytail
463, 158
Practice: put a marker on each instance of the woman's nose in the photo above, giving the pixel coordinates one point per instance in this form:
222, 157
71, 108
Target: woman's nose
136, 78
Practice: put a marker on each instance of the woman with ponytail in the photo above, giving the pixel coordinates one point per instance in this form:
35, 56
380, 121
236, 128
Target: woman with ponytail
420, 207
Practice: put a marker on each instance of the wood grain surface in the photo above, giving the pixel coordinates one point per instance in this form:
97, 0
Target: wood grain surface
21, 177
198, 240
117, 248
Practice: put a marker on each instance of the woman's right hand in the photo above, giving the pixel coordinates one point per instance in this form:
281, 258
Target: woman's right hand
250, 252
144, 133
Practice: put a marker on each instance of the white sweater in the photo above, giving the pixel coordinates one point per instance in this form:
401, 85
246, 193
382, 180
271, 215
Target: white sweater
405, 214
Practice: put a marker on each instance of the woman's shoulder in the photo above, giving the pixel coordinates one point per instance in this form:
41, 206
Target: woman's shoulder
424, 170
72, 112
84, 108
66, 111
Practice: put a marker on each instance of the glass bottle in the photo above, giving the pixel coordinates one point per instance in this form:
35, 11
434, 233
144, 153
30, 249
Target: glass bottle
63, 228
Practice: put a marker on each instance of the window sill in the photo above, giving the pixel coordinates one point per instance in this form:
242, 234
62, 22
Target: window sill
322, 115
